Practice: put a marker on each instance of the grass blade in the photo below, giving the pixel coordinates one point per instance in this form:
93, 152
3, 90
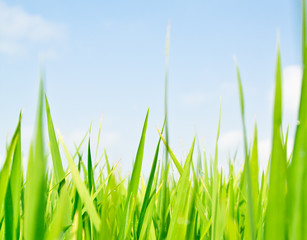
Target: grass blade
5, 171
177, 228
13, 194
247, 168
135, 177
149, 186
136, 172
61, 217
276, 210
298, 167
83, 192
36, 186
90, 173
54, 147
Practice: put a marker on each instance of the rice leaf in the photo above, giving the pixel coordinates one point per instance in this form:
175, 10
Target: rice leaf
54, 148
13, 194
83, 193
276, 209
61, 217
136, 172
90, 175
177, 228
247, 164
36, 186
5, 171
149, 186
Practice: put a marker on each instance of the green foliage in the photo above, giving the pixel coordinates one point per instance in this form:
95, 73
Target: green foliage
93, 201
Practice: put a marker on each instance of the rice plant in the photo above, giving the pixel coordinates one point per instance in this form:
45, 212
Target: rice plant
203, 203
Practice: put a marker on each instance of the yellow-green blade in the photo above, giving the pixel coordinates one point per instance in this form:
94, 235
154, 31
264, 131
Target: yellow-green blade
5, 171
36, 186
177, 228
81, 188
136, 172
149, 186
276, 209
13, 194
54, 148
298, 168
247, 167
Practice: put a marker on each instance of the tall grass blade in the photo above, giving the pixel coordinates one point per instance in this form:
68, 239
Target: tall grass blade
276, 209
215, 184
298, 167
177, 228
90, 174
5, 171
36, 186
164, 191
83, 192
54, 148
136, 172
135, 178
149, 186
247, 167
13, 194
61, 217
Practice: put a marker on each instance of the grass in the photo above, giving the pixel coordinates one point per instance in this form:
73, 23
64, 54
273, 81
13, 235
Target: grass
203, 203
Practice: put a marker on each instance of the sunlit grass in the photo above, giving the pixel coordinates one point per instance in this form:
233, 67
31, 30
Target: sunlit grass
203, 203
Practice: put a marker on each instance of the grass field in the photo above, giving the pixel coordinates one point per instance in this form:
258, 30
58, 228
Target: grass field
203, 203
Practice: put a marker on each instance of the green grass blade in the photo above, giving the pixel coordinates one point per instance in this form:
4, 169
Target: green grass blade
171, 153
215, 183
135, 178
275, 216
107, 161
36, 186
164, 191
148, 217
9, 214
61, 217
231, 204
98, 138
76, 197
12, 199
192, 218
298, 168
149, 186
54, 147
136, 172
255, 172
90, 172
177, 228
5, 171
208, 200
83, 192
247, 168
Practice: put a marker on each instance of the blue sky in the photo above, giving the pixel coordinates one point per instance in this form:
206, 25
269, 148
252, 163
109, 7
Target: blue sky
108, 58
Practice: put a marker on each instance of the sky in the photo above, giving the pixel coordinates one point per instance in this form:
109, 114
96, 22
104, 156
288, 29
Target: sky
107, 58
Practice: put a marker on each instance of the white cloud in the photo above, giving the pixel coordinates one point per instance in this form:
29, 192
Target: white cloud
230, 141
292, 80
11, 48
193, 99
47, 55
20, 30
109, 139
